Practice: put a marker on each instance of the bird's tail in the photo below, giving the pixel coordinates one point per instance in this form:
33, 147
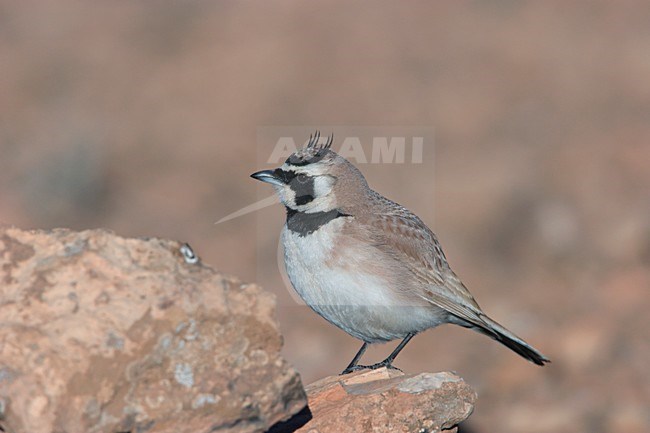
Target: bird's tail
502, 335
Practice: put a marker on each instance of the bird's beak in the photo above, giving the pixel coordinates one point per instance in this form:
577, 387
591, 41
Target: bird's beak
267, 176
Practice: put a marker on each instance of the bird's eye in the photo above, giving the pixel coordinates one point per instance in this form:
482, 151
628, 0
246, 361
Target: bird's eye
302, 178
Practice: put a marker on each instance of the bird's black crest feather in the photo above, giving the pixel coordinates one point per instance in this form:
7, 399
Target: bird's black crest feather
312, 152
315, 138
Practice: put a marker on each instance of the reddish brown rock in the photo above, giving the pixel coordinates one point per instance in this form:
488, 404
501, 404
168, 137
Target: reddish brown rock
104, 334
388, 401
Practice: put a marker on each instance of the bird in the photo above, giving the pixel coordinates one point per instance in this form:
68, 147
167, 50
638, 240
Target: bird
366, 264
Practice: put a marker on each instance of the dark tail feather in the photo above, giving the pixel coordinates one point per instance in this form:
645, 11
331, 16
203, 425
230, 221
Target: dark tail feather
511, 341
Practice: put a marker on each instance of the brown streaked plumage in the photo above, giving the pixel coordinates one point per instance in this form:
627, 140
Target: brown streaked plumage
367, 264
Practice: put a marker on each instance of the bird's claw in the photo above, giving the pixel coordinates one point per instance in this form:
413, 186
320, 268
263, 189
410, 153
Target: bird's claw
353, 369
385, 363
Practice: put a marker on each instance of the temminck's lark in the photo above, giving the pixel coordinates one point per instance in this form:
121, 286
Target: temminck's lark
365, 263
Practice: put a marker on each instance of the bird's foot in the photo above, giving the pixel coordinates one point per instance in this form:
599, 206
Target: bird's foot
388, 363
353, 369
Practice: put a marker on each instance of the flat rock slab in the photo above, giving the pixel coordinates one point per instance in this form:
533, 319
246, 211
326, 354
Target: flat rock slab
388, 401
99, 333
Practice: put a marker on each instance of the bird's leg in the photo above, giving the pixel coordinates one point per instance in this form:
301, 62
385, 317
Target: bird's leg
353, 365
388, 362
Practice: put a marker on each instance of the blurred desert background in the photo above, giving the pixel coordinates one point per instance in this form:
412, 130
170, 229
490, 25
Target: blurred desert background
147, 118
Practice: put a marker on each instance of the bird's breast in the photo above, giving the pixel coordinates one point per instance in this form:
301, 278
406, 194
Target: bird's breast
326, 267
345, 281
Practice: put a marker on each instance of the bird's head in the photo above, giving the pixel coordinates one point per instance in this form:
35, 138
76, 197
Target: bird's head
314, 178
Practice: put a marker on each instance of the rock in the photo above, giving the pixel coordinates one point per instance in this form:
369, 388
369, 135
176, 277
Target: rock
104, 334
388, 401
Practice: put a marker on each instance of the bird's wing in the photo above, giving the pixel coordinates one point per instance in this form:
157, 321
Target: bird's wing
405, 237
397, 232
